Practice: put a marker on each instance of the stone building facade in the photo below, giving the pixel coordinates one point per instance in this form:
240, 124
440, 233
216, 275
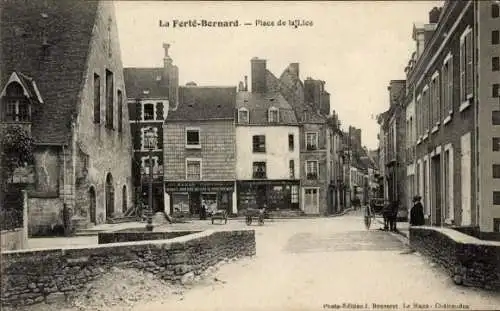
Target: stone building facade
77, 116
452, 93
151, 92
200, 150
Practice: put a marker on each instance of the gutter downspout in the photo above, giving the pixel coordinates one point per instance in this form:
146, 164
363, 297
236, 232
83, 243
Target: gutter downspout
476, 112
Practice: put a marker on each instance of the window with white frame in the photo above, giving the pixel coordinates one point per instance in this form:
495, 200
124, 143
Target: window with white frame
273, 115
145, 143
312, 169
193, 169
447, 86
418, 110
148, 111
16, 105
426, 102
311, 141
192, 137
466, 65
243, 115
436, 99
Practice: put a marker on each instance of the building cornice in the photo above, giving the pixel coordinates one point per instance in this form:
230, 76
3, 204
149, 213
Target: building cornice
418, 72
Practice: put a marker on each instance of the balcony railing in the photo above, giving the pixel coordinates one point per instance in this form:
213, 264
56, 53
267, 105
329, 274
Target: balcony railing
312, 176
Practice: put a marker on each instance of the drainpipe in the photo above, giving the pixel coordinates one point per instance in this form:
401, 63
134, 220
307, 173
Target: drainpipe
476, 113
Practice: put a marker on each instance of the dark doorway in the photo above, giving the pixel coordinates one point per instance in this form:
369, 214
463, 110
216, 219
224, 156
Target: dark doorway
124, 199
436, 189
261, 196
93, 205
194, 203
110, 196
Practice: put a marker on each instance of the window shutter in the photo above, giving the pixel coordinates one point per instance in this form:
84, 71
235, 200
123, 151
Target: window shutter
138, 109
160, 138
470, 59
449, 104
462, 70
159, 111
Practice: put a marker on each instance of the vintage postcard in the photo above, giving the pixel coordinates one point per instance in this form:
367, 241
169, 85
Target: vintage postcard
249, 155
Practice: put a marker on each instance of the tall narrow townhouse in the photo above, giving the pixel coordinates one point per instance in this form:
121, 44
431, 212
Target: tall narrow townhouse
410, 140
151, 92
395, 133
311, 104
488, 115
64, 84
442, 82
200, 150
267, 135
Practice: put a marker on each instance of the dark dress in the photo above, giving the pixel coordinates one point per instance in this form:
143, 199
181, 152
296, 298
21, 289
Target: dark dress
417, 215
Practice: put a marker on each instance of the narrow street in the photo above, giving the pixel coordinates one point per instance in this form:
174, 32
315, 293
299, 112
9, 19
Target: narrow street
309, 264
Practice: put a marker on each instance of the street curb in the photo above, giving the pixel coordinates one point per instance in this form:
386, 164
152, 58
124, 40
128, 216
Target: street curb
401, 233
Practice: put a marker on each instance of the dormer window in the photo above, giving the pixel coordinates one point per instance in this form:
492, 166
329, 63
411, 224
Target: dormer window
243, 115
273, 115
16, 106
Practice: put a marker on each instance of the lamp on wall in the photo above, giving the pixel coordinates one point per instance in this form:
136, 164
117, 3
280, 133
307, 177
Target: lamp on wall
151, 140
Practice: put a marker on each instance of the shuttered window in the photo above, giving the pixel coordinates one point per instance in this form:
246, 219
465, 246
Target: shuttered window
466, 65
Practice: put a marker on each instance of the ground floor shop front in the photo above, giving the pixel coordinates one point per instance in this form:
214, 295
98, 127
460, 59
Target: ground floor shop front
187, 197
272, 194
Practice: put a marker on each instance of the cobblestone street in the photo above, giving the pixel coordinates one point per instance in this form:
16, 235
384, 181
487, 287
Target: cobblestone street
313, 264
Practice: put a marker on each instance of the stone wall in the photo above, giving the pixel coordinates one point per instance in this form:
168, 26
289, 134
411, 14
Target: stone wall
470, 261
12, 239
65, 272
124, 236
44, 214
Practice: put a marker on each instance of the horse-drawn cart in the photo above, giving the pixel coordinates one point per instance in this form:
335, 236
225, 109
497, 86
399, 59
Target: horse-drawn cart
255, 213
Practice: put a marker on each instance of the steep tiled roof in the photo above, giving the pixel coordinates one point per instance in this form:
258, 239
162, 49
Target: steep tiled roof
204, 103
258, 106
138, 80
58, 69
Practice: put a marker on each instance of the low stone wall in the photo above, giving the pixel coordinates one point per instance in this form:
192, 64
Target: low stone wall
470, 261
36, 276
13, 239
130, 236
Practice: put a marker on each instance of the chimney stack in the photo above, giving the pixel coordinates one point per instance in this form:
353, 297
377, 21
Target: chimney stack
434, 15
258, 75
294, 70
246, 84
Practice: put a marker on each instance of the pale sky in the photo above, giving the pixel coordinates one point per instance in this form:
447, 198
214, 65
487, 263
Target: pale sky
357, 47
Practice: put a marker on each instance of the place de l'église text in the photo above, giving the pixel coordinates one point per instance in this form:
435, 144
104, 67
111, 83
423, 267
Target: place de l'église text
204, 23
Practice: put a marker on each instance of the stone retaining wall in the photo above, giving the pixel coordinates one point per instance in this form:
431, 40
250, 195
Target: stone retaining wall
470, 261
13, 239
36, 276
125, 236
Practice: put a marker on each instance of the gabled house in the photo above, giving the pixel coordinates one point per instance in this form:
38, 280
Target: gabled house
151, 92
268, 147
62, 79
311, 104
200, 150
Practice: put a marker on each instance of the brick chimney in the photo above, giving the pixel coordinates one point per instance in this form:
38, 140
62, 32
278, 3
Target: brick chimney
258, 75
434, 15
170, 76
396, 88
294, 70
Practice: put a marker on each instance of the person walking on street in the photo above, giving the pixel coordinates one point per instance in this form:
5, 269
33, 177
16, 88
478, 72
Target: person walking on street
386, 212
417, 212
393, 216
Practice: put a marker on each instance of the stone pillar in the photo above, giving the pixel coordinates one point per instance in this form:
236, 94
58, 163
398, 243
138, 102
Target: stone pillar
166, 204
235, 200
24, 243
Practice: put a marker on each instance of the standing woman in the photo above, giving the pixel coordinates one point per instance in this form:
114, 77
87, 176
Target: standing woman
417, 212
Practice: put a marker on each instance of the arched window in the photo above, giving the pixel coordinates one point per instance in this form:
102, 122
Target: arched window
15, 103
